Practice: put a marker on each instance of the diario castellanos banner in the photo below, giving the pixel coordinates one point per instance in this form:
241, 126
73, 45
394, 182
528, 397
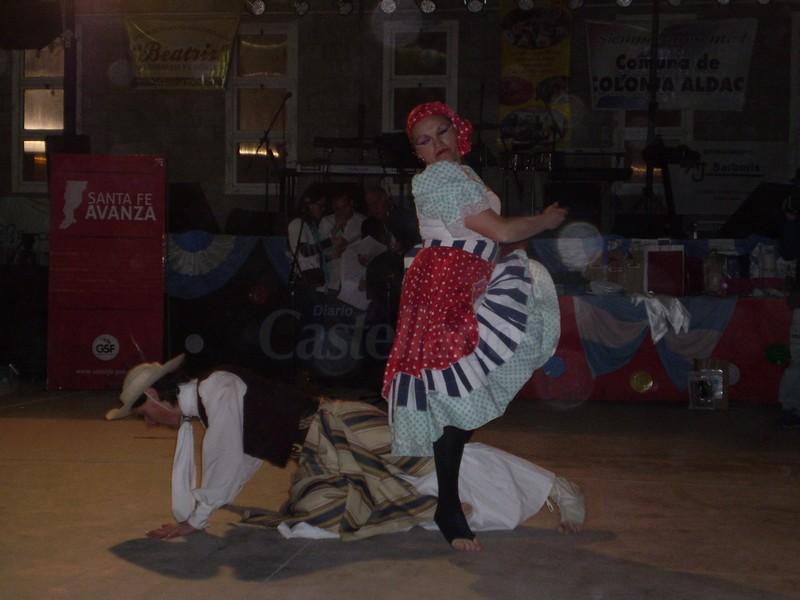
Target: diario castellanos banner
181, 52
700, 65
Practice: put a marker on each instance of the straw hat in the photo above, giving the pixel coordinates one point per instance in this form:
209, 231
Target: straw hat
138, 379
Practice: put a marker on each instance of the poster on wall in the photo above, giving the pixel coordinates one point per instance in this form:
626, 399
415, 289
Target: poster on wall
702, 65
181, 52
730, 173
535, 104
106, 275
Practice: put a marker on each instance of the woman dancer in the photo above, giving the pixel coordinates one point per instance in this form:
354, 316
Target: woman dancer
473, 325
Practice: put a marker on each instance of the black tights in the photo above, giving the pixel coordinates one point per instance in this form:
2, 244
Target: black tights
447, 453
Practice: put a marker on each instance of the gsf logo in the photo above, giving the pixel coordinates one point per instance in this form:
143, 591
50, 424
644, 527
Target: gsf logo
105, 347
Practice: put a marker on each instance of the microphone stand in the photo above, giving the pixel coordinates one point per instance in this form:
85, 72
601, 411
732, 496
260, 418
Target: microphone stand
292, 280
297, 326
264, 141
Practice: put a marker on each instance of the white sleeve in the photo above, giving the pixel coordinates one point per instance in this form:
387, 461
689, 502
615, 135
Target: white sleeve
295, 229
326, 226
292, 231
353, 230
226, 468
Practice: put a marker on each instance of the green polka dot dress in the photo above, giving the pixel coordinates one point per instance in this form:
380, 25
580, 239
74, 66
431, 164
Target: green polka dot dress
473, 324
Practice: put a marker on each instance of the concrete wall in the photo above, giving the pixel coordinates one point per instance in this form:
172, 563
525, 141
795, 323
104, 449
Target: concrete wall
340, 66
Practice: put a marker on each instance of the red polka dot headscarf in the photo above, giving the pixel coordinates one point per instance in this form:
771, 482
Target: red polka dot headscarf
463, 126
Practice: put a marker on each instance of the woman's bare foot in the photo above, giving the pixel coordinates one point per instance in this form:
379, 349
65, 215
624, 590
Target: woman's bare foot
466, 545
455, 529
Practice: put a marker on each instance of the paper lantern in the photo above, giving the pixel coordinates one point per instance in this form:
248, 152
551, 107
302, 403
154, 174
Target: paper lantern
641, 382
571, 390
733, 374
555, 367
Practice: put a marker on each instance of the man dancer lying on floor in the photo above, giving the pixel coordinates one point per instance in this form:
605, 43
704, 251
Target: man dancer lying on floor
347, 483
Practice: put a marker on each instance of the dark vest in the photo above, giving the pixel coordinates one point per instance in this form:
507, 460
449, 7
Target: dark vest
272, 414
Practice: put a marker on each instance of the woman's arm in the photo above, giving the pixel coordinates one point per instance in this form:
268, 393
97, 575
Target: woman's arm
513, 229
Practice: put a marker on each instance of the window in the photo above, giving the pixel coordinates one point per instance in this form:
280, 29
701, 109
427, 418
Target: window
420, 64
38, 113
794, 129
260, 93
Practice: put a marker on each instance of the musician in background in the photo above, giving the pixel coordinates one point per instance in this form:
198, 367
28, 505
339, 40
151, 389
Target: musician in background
383, 276
338, 230
305, 247
400, 224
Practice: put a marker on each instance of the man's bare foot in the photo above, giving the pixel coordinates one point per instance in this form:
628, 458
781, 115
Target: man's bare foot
571, 506
570, 527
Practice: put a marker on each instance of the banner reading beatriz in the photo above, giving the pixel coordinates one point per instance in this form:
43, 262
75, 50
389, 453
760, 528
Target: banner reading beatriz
181, 52
535, 55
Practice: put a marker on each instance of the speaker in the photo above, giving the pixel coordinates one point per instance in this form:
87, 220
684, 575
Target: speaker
760, 214
188, 209
29, 24
23, 319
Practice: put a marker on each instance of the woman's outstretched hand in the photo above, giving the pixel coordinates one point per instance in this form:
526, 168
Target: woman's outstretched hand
553, 216
172, 530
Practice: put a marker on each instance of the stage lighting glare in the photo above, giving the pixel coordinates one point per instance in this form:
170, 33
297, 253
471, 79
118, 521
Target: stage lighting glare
579, 244
300, 7
257, 7
345, 7
427, 6
624, 3
388, 6
474, 6
574, 4
525, 4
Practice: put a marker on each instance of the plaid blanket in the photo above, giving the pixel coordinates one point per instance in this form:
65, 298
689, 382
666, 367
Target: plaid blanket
347, 480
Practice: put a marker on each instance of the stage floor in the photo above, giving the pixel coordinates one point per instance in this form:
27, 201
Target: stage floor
681, 504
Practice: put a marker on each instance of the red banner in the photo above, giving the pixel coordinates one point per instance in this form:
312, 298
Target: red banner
106, 283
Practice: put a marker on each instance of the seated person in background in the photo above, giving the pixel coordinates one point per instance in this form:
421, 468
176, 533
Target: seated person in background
384, 275
400, 222
353, 263
339, 229
304, 240
249, 419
